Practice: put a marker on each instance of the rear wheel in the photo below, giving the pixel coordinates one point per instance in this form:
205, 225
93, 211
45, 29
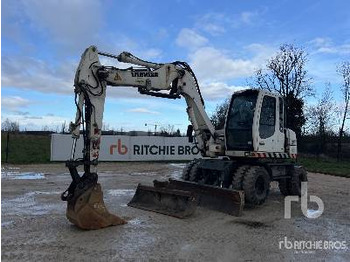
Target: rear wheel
292, 186
284, 186
299, 175
256, 185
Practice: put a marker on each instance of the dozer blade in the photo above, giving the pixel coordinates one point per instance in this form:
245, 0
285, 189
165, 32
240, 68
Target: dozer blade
88, 211
220, 199
172, 202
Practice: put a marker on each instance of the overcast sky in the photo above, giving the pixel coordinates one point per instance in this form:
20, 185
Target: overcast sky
223, 41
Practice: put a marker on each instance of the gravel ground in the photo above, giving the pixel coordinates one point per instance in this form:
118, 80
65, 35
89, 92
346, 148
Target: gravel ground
34, 227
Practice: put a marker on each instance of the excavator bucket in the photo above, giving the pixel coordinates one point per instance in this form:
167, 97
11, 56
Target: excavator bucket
220, 199
88, 211
180, 198
172, 202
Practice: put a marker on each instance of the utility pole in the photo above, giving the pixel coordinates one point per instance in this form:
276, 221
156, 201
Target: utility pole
155, 127
7, 147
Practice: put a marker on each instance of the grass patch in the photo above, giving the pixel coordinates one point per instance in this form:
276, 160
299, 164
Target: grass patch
26, 149
326, 166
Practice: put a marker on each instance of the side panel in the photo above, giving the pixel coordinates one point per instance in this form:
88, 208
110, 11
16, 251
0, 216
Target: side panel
291, 142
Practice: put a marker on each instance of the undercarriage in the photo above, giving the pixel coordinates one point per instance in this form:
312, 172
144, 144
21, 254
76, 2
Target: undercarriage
251, 176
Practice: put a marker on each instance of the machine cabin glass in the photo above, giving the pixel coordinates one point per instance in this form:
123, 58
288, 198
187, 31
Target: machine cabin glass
267, 117
240, 121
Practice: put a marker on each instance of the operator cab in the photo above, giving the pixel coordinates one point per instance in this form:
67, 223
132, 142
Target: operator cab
255, 122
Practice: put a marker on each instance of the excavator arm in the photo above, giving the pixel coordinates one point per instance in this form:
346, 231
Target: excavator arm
169, 80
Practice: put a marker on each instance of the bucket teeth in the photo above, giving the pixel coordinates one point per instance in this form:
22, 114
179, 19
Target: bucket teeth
88, 210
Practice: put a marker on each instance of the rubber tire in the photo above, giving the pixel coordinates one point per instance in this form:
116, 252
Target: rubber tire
299, 175
237, 179
292, 186
284, 186
252, 195
194, 172
186, 171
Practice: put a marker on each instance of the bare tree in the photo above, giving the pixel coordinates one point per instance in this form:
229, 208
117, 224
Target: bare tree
177, 133
121, 131
10, 126
286, 74
344, 70
105, 126
167, 131
63, 127
321, 117
46, 128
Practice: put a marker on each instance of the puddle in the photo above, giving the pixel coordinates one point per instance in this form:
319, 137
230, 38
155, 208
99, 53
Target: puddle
121, 192
6, 223
143, 174
28, 205
176, 174
10, 173
186, 248
9, 168
311, 213
108, 173
135, 222
178, 165
29, 176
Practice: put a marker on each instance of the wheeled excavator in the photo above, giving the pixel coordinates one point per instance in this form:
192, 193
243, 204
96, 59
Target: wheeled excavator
238, 162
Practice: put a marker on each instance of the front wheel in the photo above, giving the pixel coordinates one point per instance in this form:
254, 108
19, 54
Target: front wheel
186, 171
256, 185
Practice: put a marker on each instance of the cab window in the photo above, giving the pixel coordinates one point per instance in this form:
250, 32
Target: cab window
267, 117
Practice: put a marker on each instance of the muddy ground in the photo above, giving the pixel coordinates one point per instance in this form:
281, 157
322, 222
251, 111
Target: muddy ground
34, 227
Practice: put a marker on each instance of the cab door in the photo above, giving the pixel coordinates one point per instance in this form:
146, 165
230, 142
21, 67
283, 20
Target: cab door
271, 125
239, 121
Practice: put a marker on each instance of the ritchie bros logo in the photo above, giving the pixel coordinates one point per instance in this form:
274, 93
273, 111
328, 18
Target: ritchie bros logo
140, 149
122, 149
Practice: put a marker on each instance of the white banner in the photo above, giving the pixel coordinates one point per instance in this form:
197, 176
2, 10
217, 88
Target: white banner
128, 148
